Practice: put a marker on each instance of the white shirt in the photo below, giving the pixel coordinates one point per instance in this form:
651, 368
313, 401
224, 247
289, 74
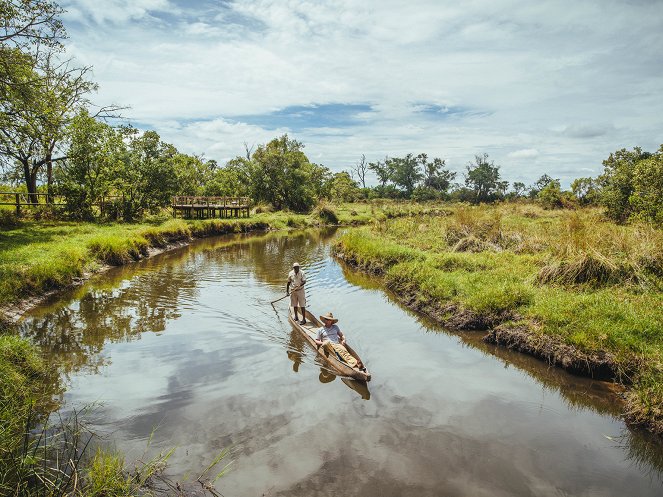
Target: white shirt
298, 279
331, 334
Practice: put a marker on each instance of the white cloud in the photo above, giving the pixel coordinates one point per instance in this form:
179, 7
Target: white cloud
525, 153
549, 77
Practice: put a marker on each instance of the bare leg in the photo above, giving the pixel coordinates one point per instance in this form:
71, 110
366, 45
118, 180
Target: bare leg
303, 315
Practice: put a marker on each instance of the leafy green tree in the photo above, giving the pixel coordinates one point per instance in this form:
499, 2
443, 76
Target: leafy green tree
539, 185
436, 176
585, 190
406, 172
28, 23
550, 195
344, 188
617, 182
192, 173
231, 180
382, 171
280, 174
518, 189
647, 198
96, 157
149, 181
483, 179
321, 179
34, 119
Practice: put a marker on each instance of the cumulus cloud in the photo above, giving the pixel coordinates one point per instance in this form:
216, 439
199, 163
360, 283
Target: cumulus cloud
506, 78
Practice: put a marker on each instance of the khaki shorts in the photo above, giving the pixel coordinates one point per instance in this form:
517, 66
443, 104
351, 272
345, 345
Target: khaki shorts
298, 298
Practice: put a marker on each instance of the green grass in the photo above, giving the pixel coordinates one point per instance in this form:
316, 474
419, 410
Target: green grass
572, 275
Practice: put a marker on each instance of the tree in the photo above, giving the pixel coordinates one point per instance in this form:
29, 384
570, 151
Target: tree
539, 185
344, 188
483, 179
585, 190
435, 175
192, 173
381, 170
97, 154
26, 23
551, 195
231, 180
647, 198
280, 174
321, 178
360, 169
149, 181
406, 172
34, 119
518, 188
616, 182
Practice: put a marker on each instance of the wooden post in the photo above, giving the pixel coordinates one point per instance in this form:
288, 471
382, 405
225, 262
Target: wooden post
101, 207
18, 204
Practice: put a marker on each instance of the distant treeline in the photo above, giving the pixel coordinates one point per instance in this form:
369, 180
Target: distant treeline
53, 138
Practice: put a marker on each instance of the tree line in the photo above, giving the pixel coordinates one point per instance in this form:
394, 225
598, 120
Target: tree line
53, 138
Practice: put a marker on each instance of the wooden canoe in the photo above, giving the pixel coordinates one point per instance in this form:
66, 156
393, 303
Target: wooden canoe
310, 331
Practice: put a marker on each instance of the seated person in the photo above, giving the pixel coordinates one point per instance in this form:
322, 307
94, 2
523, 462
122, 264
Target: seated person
332, 339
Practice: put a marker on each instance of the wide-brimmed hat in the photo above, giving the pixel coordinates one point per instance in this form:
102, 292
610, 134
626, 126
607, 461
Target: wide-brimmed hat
295, 264
329, 316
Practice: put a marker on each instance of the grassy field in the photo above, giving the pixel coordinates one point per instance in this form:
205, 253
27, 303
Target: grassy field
568, 286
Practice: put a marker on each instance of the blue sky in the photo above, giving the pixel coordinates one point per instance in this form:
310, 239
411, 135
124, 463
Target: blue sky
542, 87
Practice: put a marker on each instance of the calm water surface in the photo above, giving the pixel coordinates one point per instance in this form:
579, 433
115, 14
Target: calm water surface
187, 343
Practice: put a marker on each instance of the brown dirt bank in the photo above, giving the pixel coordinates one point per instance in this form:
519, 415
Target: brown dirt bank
510, 330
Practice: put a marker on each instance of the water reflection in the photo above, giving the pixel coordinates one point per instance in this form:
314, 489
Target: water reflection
188, 341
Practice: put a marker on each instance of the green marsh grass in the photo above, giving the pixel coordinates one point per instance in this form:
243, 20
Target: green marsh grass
573, 275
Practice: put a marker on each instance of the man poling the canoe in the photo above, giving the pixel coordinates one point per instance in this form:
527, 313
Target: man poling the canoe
331, 338
297, 279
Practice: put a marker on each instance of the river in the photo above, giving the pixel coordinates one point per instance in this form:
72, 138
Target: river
185, 349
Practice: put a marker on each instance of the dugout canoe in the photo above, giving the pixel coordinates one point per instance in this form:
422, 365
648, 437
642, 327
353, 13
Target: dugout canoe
310, 331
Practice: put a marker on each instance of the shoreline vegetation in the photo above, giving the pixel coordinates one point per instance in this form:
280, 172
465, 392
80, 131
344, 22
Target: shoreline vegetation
567, 286
39, 257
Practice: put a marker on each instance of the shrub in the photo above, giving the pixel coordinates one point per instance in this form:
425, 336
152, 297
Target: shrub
8, 219
325, 213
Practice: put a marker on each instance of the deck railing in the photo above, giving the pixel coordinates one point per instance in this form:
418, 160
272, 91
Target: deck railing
201, 207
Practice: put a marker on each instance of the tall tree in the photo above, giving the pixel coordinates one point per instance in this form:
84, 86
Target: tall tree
96, 157
280, 174
381, 170
34, 119
436, 176
406, 172
617, 181
586, 190
647, 197
483, 179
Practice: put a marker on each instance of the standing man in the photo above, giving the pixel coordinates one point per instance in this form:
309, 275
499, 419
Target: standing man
297, 279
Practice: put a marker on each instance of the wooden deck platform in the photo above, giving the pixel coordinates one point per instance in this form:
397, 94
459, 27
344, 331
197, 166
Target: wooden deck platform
209, 207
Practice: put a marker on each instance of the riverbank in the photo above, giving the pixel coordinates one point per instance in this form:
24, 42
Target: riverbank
39, 257
567, 286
